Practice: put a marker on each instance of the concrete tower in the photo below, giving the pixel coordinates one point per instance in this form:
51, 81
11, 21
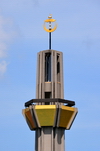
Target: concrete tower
49, 114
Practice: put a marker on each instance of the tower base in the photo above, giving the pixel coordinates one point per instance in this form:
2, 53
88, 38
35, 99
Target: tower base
50, 139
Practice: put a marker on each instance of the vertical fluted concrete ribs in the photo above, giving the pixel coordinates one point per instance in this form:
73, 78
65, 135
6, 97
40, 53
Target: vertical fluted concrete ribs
50, 85
49, 75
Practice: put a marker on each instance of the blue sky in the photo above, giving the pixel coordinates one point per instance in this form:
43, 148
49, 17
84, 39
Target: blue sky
78, 37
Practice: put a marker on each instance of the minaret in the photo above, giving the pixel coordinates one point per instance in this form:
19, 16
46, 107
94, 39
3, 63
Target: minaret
49, 114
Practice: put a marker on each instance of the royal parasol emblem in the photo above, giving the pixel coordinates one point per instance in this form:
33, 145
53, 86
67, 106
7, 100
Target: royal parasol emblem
50, 20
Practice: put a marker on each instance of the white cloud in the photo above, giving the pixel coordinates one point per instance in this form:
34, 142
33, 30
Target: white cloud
7, 31
3, 67
3, 38
3, 48
7, 34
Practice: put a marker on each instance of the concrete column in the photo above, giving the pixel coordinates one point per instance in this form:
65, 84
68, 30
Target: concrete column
49, 138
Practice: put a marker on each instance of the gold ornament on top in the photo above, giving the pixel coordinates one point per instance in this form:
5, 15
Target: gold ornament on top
50, 20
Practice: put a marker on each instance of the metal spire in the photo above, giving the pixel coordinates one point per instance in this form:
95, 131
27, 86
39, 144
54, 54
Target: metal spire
50, 20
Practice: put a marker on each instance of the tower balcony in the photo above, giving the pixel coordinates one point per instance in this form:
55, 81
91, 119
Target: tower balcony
59, 113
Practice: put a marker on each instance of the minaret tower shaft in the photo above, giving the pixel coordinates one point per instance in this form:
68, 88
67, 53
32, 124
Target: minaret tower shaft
49, 114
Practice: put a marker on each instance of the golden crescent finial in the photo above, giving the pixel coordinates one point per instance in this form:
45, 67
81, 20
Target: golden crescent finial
50, 20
